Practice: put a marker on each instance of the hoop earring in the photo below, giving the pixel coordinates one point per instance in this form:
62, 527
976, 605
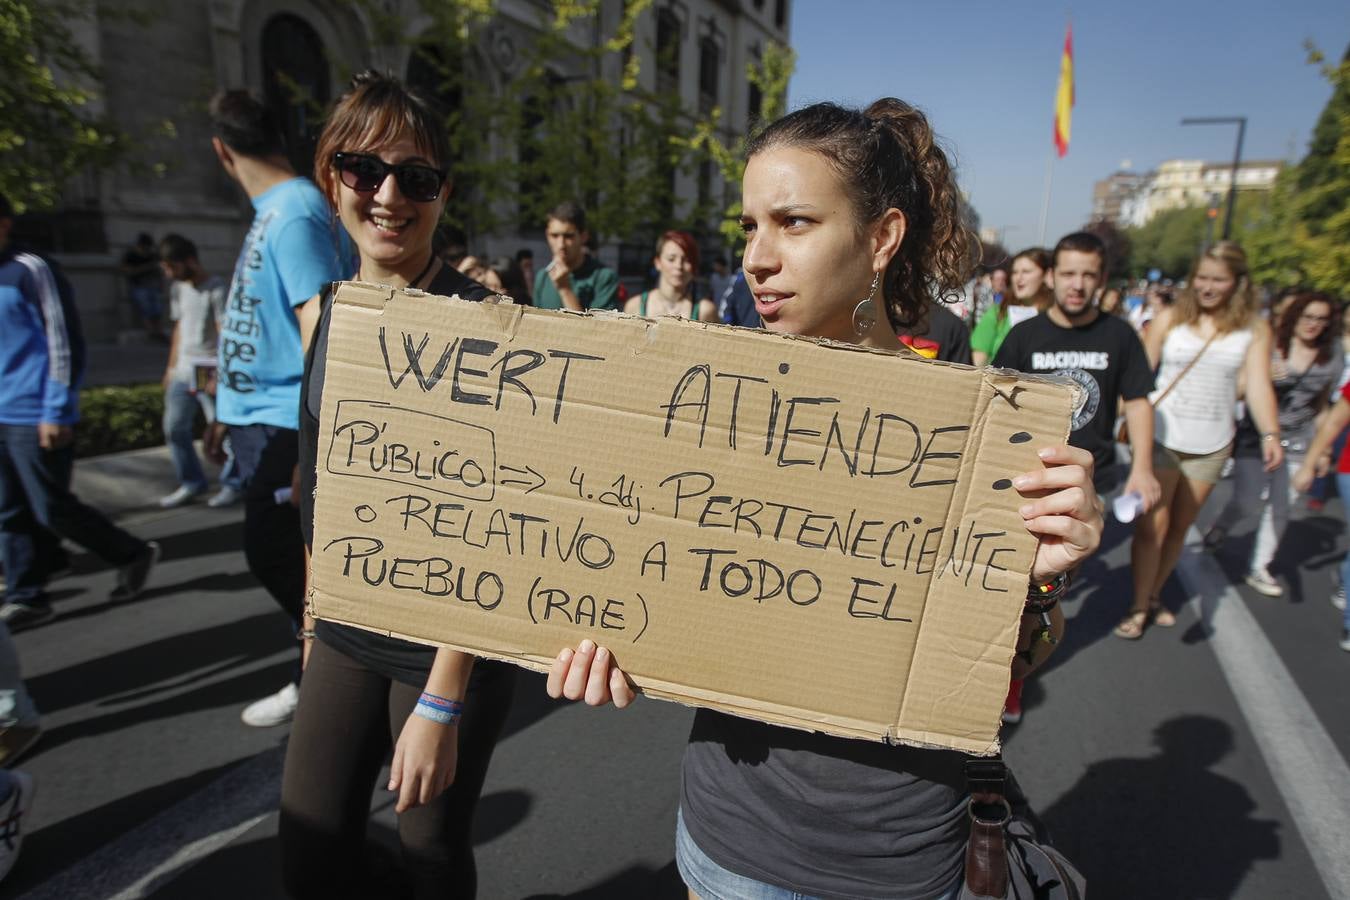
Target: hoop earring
865, 313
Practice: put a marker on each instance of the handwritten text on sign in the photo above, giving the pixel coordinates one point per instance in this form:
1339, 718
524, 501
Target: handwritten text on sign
768, 525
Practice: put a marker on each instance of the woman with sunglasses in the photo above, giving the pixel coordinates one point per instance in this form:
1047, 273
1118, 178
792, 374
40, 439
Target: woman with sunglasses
842, 205
1306, 367
381, 161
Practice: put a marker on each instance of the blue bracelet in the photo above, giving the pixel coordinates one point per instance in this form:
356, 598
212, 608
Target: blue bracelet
441, 710
436, 713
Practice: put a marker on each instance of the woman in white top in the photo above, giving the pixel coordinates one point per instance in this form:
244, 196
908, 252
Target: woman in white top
1200, 346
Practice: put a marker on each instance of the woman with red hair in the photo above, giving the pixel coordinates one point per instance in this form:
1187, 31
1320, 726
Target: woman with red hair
676, 261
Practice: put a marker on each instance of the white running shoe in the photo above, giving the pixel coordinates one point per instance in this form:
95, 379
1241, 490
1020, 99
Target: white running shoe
184, 494
1261, 582
227, 496
1338, 598
274, 709
11, 819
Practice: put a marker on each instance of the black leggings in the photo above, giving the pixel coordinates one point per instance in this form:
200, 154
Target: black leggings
348, 718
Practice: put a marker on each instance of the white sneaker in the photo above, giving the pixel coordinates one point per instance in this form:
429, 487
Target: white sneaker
11, 819
1345, 640
1261, 582
275, 709
184, 494
1338, 598
227, 496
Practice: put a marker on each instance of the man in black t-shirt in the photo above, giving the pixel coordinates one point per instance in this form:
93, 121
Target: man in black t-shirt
1102, 354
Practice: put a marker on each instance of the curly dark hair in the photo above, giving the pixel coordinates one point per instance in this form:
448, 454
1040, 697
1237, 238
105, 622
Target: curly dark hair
887, 157
1284, 329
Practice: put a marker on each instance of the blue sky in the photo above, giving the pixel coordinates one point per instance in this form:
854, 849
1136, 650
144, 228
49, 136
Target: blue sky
985, 73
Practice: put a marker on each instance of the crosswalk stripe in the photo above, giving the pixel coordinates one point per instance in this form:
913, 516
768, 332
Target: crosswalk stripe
1308, 769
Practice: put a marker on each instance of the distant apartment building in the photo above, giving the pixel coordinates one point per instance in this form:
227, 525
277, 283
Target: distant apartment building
165, 67
1112, 192
1130, 199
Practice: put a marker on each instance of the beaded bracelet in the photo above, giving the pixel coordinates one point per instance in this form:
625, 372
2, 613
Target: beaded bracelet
438, 709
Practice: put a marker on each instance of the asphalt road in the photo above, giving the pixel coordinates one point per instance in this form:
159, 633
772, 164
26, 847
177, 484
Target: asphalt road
1205, 761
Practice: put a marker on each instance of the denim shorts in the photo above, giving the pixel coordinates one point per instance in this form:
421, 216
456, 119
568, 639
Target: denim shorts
712, 882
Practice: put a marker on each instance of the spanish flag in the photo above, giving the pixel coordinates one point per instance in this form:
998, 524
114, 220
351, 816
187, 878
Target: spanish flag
1064, 96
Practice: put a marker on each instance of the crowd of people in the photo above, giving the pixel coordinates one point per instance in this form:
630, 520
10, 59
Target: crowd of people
853, 233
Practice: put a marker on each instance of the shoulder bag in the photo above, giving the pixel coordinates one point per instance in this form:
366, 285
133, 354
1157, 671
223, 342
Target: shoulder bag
1008, 856
1123, 433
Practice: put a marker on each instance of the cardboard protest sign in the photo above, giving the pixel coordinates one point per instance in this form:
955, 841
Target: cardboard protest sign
808, 534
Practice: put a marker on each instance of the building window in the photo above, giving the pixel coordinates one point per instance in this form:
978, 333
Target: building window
295, 84
780, 13
667, 51
708, 63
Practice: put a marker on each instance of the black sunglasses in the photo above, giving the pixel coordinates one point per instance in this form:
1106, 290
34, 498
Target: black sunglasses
364, 173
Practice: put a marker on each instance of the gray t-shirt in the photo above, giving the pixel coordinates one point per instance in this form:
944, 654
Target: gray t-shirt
196, 309
1298, 392
825, 816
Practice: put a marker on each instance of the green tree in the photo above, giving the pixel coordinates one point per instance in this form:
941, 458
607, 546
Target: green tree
770, 76
520, 147
1306, 237
1171, 240
47, 130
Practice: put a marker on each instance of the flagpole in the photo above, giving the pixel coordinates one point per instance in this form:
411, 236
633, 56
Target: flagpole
1045, 200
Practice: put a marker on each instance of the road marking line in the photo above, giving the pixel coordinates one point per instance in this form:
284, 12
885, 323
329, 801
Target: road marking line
1309, 771
149, 856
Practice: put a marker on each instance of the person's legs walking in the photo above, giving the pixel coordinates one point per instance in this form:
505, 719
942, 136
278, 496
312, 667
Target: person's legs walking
273, 545
20, 724
338, 742
231, 488
180, 411
437, 838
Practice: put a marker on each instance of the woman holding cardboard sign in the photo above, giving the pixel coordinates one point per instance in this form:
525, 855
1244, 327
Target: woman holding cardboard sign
381, 162
851, 221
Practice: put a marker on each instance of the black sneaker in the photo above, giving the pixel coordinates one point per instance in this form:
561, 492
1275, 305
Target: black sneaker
132, 577
18, 616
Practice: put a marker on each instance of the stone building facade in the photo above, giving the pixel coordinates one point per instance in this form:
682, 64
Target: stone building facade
165, 69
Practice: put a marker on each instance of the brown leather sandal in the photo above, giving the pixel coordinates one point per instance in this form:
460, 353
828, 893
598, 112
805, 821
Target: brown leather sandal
1132, 627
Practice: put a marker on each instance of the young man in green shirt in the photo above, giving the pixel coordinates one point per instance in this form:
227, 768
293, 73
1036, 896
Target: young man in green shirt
573, 279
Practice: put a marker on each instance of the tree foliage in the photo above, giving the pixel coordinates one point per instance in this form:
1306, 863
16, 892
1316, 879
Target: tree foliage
770, 76
571, 120
1171, 240
1306, 238
48, 132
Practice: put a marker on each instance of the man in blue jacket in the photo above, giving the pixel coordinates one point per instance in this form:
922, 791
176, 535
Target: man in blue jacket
41, 363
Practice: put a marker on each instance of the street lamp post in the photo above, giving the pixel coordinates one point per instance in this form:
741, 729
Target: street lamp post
1241, 123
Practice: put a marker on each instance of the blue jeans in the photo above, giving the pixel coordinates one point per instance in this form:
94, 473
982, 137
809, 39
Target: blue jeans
180, 411
35, 498
1343, 486
710, 881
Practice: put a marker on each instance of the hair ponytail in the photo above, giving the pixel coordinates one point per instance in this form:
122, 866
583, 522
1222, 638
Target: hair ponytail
888, 157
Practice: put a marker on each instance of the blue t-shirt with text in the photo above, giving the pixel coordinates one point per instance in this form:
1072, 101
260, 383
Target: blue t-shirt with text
294, 247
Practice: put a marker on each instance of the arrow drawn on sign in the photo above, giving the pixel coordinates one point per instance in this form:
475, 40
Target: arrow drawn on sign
530, 476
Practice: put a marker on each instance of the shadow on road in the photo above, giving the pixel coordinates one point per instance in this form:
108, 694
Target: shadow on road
638, 881
1167, 826
181, 659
